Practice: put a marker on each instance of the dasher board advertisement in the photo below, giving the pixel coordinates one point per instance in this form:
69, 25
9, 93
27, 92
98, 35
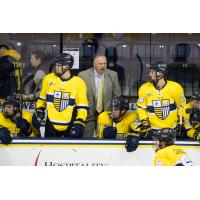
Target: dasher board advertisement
37, 152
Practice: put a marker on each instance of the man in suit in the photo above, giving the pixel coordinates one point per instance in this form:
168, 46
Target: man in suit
102, 85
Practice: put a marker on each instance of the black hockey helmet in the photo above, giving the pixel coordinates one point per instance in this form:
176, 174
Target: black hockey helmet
12, 100
165, 134
159, 67
65, 59
120, 102
196, 95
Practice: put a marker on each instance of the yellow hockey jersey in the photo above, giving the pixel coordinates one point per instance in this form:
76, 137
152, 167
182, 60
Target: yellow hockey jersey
191, 128
161, 107
128, 123
11, 126
172, 156
61, 97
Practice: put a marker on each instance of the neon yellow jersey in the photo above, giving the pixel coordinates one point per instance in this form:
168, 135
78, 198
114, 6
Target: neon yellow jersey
61, 97
123, 127
11, 126
172, 156
161, 107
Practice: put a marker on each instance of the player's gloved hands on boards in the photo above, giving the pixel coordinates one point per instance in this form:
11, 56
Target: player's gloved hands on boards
110, 132
132, 141
180, 131
5, 136
196, 136
24, 126
77, 129
37, 118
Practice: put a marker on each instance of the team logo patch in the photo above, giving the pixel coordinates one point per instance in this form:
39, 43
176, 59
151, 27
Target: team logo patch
161, 108
141, 100
61, 100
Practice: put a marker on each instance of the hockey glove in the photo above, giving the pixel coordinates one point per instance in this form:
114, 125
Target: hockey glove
24, 126
110, 132
77, 129
180, 131
5, 136
196, 136
145, 127
132, 142
37, 118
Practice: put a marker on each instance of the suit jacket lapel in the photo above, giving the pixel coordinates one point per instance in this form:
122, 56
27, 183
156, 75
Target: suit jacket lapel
91, 75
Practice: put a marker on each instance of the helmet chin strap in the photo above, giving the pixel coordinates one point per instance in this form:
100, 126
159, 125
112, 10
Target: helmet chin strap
63, 71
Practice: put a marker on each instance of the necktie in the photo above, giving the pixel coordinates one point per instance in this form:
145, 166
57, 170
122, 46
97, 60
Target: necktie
99, 106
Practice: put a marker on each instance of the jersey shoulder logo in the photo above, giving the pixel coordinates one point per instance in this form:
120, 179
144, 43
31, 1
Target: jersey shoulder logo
61, 100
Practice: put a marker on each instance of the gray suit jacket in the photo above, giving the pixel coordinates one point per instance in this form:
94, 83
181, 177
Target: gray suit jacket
111, 89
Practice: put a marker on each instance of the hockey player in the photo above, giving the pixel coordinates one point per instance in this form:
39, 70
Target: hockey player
191, 116
160, 101
61, 95
168, 154
12, 124
120, 123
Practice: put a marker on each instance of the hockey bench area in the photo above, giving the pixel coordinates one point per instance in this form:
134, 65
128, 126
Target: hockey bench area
93, 152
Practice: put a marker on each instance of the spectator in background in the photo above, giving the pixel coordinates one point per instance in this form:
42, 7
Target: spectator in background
90, 48
8, 83
102, 85
38, 62
112, 58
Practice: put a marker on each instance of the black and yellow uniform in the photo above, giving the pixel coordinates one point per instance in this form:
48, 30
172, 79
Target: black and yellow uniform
11, 126
124, 126
192, 126
60, 98
172, 156
161, 107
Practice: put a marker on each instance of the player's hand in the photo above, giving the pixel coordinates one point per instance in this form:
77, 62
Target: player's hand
197, 136
23, 125
180, 131
132, 142
5, 136
77, 131
110, 132
37, 118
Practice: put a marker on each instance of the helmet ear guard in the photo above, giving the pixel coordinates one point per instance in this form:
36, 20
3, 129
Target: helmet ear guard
65, 59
